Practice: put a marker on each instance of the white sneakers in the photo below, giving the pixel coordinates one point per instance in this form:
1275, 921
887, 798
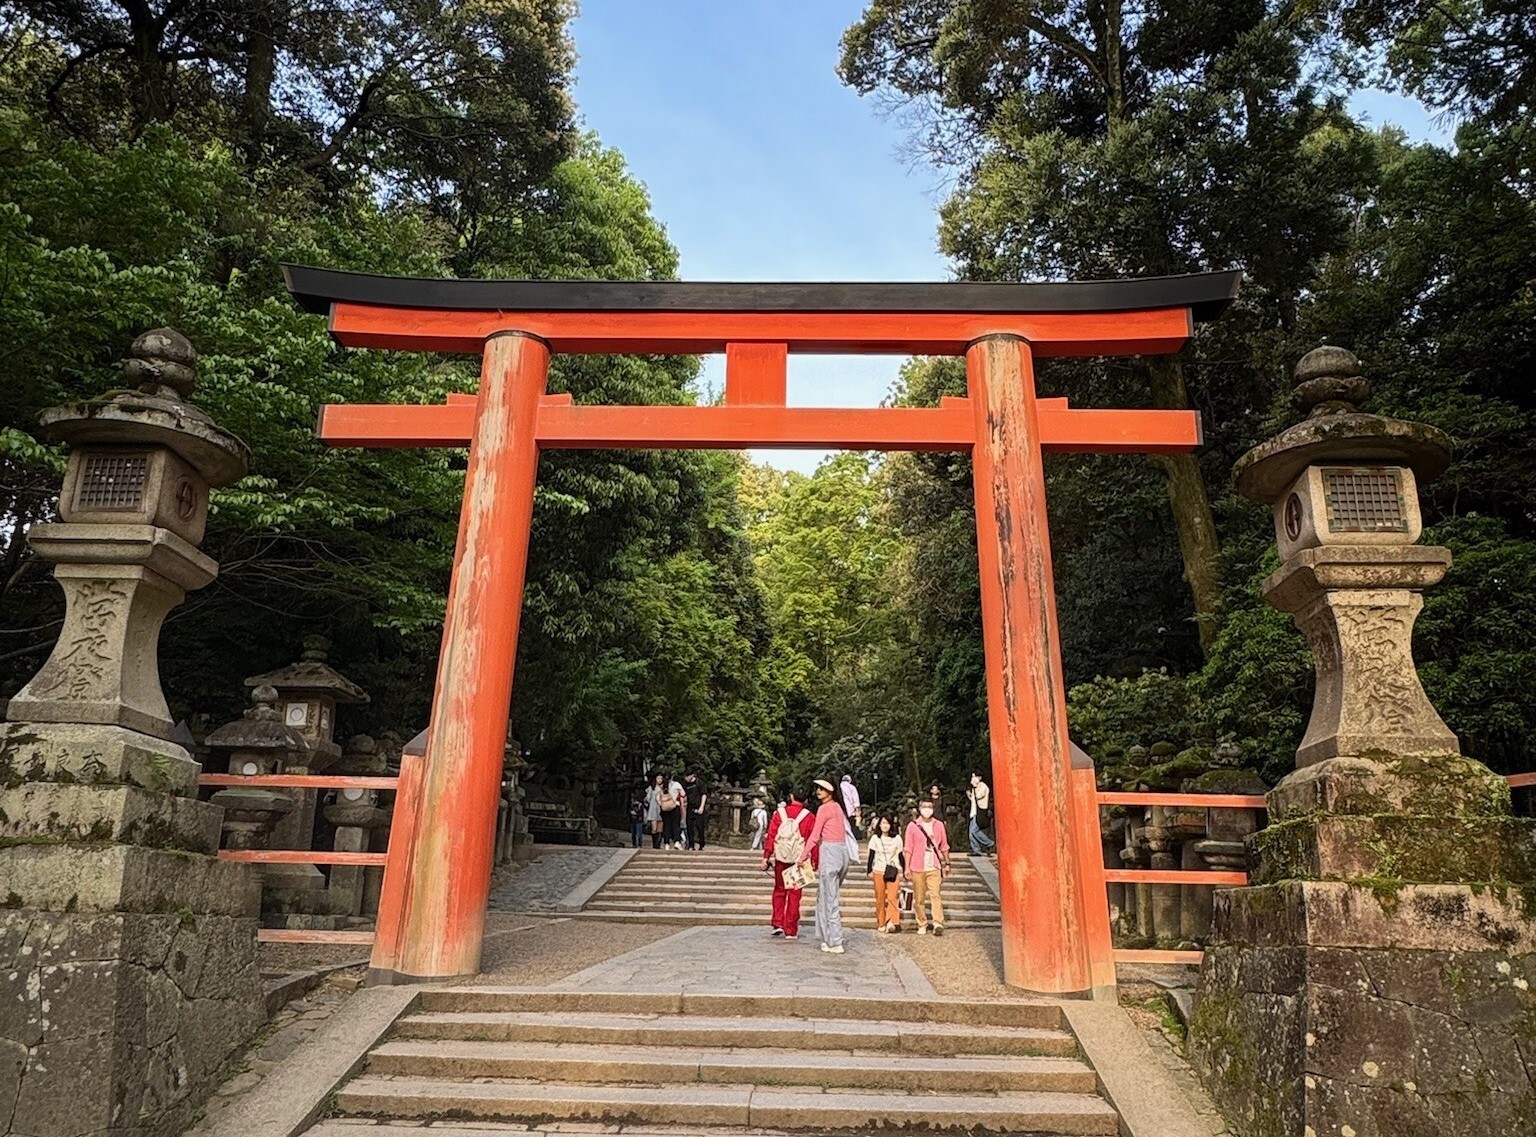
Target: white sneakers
838, 950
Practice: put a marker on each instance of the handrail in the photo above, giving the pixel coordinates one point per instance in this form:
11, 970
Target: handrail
302, 857
1199, 801
302, 781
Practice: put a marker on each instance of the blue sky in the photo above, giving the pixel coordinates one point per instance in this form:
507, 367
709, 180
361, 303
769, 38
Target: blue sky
763, 166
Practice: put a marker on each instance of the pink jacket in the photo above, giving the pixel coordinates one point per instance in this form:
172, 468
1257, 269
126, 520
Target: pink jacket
831, 825
917, 844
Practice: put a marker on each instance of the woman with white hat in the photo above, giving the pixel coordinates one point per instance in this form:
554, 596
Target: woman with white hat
829, 841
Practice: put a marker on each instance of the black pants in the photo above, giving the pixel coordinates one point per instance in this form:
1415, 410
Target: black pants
655, 834
672, 825
696, 823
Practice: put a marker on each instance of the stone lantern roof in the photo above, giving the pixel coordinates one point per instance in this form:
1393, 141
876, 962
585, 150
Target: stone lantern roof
1329, 384
261, 728
312, 675
162, 364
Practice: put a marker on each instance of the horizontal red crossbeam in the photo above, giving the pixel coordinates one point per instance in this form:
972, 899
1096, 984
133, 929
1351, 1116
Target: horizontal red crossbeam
1173, 876
1157, 955
950, 426
1198, 801
1520, 781
301, 781
301, 857
312, 936
1149, 332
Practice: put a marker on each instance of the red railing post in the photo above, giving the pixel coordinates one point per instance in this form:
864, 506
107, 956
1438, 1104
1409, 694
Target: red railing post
384, 963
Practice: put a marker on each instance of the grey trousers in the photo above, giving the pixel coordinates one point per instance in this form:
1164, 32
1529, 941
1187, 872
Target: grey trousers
830, 874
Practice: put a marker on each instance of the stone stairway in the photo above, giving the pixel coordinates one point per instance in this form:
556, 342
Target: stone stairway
728, 886
511, 1057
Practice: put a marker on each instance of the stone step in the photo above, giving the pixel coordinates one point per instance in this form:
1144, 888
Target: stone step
781, 1107
859, 1008
646, 900
763, 883
745, 920
716, 1031
579, 1062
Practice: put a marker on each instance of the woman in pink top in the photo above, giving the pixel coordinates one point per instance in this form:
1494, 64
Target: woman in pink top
828, 843
927, 849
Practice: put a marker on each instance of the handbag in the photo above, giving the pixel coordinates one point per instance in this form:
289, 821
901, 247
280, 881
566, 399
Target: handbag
667, 802
892, 874
904, 898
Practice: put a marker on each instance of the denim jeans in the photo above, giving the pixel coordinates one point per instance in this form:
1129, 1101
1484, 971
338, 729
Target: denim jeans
980, 842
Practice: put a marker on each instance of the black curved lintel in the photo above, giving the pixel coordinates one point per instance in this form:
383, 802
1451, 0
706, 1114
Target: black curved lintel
1206, 294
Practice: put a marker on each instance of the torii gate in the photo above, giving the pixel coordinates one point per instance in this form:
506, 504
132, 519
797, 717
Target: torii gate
432, 910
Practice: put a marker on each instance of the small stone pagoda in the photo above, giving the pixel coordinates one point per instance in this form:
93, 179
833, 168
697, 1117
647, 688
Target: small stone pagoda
129, 951
1375, 979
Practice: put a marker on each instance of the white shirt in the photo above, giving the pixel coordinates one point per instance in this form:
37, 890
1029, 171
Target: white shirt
887, 851
850, 798
980, 795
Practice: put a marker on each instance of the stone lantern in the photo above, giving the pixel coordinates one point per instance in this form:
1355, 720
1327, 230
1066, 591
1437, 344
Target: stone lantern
359, 821
309, 692
260, 743
1383, 950
114, 1023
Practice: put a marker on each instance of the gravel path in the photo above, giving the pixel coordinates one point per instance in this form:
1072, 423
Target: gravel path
531, 950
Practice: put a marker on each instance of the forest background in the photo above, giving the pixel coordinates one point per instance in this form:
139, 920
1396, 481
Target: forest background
158, 161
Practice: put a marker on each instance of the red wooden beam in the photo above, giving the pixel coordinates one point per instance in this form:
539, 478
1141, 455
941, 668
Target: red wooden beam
756, 374
1148, 332
1173, 876
1520, 781
301, 857
1157, 955
311, 936
949, 426
301, 781
1199, 801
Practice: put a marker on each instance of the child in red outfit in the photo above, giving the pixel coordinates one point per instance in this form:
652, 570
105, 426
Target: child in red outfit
786, 901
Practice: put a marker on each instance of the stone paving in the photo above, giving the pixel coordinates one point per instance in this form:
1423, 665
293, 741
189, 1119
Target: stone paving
540, 884
735, 960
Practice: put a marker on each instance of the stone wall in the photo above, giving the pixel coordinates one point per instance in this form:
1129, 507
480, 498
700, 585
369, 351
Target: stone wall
150, 1004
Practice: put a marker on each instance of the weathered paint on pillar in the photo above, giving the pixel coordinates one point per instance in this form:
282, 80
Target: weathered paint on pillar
447, 867
1044, 946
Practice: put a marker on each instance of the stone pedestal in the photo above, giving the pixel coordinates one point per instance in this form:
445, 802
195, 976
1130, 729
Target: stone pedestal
1374, 980
127, 952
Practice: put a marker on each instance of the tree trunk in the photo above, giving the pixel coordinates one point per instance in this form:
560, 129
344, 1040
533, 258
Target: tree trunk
260, 69
152, 96
1191, 507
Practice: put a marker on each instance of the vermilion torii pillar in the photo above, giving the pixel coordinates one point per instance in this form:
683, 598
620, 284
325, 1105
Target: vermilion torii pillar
438, 876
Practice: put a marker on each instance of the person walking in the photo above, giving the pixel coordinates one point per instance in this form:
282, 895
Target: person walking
885, 865
759, 823
636, 820
827, 850
697, 800
980, 795
653, 795
850, 795
671, 802
927, 850
785, 848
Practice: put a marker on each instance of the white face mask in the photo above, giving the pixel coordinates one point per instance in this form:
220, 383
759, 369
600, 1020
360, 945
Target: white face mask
926, 812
